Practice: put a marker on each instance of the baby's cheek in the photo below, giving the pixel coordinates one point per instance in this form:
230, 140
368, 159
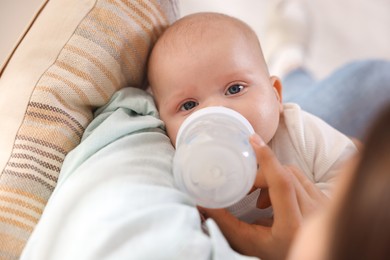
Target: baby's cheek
172, 130
268, 124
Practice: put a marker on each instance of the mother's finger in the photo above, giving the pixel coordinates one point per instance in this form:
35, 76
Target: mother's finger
309, 196
243, 237
309, 186
279, 180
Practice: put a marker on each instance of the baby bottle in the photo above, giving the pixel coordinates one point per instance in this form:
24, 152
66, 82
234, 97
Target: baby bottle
214, 162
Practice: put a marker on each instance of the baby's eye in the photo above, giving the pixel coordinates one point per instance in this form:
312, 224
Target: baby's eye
188, 105
234, 89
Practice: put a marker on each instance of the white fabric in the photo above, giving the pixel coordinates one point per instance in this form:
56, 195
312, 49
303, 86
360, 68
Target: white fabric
115, 198
309, 143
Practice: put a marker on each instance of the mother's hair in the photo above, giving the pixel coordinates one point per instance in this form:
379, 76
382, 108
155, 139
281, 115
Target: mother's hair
362, 224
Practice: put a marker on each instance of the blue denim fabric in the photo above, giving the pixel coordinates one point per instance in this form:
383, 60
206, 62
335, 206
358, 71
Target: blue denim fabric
349, 99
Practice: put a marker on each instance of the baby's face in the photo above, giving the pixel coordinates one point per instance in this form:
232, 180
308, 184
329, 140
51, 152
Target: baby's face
222, 71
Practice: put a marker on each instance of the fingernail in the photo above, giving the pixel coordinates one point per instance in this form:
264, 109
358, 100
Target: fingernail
257, 140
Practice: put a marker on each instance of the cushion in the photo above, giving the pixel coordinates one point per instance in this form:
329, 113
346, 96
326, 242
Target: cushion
74, 56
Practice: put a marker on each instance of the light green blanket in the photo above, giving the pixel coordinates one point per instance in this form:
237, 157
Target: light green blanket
116, 199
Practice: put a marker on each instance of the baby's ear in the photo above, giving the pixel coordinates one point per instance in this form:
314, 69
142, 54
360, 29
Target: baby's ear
277, 85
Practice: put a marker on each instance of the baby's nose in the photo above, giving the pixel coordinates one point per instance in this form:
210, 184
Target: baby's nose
216, 102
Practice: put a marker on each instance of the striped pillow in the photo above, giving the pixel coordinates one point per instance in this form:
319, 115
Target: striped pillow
75, 55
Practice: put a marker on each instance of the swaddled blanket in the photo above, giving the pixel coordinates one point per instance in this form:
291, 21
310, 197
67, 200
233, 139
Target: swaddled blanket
115, 197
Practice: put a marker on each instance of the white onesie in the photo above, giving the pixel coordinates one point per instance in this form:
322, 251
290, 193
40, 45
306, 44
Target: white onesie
309, 143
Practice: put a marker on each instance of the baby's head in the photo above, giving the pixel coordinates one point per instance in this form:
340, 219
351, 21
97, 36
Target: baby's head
210, 59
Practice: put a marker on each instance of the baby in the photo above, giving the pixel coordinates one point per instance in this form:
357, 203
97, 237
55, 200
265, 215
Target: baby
211, 59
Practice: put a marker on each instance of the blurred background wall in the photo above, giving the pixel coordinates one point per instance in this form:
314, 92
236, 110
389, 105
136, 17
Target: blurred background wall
340, 30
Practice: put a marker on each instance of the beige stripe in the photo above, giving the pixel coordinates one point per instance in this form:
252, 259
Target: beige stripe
40, 152
84, 76
25, 164
18, 224
74, 87
158, 12
42, 163
29, 177
154, 10
23, 194
114, 39
140, 44
144, 21
19, 214
139, 17
33, 168
75, 110
52, 109
12, 245
158, 23
52, 133
96, 62
130, 65
51, 119
44, 144
37, 151
9, 215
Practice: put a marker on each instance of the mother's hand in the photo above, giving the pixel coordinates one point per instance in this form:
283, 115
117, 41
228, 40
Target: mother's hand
293, 197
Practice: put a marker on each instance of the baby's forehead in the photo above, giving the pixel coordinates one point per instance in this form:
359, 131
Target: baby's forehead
193, 28
203, 21
190, 36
